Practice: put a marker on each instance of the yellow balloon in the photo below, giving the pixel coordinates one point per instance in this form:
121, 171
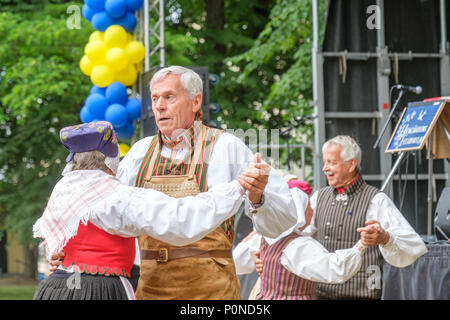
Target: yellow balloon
138, 66
135, 51
116, 36
96, 35
102, 76
117, 58
96, 51
130, 37
127, 76
86, 65
123, 149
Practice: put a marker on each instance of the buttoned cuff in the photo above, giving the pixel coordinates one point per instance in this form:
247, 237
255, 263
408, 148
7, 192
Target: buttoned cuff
389, 244
253, 207
360, 247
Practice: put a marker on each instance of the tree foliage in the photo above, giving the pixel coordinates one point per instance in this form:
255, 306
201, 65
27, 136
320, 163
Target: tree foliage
41, 90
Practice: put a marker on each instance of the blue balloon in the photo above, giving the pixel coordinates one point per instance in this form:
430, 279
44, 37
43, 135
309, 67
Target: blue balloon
87, 12
96, 5
101, 21
116, 8
85, 115
126, 132
134, 5
133, 108
116, 93
127, 21
97, 105
98, 90
117, 115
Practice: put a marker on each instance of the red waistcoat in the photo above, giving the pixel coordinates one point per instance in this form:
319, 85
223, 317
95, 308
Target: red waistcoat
97, 252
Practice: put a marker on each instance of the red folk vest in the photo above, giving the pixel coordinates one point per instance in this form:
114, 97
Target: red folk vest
96, 252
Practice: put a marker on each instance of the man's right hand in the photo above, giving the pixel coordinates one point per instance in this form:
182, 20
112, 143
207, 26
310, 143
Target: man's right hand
255, 179
56, 261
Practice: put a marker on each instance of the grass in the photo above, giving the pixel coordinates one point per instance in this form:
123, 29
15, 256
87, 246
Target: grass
17, 292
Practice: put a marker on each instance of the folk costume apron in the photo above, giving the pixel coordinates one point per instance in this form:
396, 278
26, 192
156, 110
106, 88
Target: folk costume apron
199, 271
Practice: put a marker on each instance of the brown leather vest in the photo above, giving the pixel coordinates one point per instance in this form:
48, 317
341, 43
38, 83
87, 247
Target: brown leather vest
210, 276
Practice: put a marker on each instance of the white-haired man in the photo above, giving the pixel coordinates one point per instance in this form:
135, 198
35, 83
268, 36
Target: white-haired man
205, 269
350, 209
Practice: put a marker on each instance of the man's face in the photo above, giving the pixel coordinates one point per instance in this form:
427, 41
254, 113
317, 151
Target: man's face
171, 105
337, 171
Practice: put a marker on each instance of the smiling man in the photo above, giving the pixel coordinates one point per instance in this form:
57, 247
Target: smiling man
349, 209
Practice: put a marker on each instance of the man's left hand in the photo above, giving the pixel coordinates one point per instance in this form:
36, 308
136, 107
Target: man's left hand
255, 179
373, 234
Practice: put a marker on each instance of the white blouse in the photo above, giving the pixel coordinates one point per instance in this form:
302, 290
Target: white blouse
305, 257
95, 196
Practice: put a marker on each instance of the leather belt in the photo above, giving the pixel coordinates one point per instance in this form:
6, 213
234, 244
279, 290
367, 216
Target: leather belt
165, 254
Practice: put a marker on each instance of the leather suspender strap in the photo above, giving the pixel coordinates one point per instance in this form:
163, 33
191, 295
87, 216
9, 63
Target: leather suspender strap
167, 254
197, 152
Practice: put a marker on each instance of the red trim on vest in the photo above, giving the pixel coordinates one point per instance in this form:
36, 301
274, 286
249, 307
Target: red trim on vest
94, 251
341, 190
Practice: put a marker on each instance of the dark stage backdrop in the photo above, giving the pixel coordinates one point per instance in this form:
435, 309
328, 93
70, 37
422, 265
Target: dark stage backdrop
410, 25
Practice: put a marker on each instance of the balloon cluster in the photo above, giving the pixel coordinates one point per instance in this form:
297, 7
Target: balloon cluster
112, 104
112, 60
112, 56
105, 13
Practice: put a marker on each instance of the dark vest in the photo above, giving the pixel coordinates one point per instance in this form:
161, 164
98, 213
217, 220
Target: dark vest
337, 222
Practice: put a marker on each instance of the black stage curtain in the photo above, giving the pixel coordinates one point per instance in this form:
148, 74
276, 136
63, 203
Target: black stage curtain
410, 25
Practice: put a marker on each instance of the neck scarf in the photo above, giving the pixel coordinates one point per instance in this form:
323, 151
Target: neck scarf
348, 184
184, 139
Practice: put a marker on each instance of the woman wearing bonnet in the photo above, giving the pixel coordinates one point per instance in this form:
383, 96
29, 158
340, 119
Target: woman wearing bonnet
94, 218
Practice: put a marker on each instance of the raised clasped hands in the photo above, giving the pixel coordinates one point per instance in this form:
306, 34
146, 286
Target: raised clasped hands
373, 234
255, 179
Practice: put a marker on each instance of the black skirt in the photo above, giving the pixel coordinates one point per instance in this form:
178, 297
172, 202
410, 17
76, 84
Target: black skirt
62, 285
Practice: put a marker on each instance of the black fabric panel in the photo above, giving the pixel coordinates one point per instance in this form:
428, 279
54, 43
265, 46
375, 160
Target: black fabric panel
412, 25
358, 93
346, 27
426, 279
362, 131
408, 205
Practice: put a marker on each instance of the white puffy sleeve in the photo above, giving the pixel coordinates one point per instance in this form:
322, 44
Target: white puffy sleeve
243, 254
404, 245
229, 159
307, 258
135, 211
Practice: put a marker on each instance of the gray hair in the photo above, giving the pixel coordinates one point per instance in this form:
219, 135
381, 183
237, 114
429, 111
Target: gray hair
190, 80
90, 160
350, 149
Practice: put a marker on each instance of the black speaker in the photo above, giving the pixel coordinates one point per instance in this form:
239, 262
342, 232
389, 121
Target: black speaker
442, 216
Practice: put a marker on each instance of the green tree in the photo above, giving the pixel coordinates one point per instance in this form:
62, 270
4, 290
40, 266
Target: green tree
41, 90
281, 59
